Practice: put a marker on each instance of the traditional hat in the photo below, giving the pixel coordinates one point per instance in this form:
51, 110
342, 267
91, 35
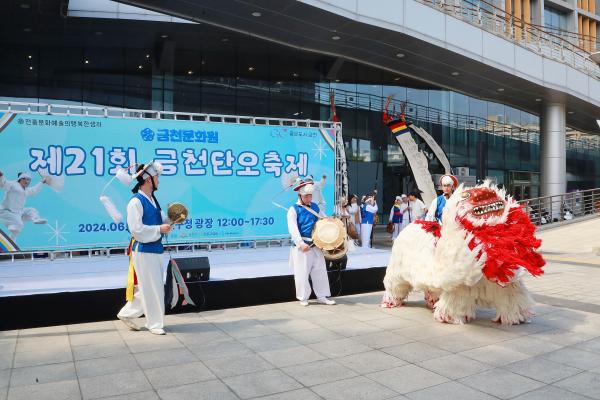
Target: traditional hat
153, 168
403, 196
448, 180
398, 198
305, 186
23, 175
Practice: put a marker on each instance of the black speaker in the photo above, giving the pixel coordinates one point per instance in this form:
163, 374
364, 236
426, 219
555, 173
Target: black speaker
334, 265
193, 269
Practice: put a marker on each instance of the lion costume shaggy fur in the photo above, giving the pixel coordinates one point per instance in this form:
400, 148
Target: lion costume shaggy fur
475, 257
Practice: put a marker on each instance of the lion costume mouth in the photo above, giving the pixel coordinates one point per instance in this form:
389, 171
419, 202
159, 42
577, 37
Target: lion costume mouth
483, 202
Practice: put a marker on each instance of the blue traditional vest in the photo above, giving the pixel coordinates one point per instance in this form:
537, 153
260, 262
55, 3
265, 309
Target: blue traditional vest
441, 203
397, 215
365, 216
151, 216
306, 221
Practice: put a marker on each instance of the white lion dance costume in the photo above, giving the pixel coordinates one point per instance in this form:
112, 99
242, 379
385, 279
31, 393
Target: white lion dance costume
474, 258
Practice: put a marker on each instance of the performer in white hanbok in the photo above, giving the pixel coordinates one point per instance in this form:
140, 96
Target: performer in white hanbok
13, 212
354, 212
396, 217
147, 224
306, 259
448, 184
404, 211
367, 213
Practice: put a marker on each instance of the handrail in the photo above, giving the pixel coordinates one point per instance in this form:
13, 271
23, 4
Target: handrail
566, 206
533, 37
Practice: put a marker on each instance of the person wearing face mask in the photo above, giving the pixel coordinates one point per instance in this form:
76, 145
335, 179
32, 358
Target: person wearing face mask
13, 212
306, 259
448, 184
147, 224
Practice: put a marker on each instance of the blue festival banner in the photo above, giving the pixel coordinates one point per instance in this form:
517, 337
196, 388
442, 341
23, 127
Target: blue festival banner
226, 174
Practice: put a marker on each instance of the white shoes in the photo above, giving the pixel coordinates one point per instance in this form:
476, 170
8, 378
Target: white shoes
326, 301
40, 221
129, 323
304, 303
158, 331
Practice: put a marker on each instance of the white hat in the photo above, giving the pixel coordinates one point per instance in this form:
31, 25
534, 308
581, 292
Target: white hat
403, 196
153, 168
23, 175
305, 186
448, 180
398, 198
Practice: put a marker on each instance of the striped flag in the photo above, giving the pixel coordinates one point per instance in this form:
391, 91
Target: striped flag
398, 127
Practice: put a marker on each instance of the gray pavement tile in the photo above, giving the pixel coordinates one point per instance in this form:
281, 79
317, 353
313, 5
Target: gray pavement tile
311, 336
449, 390
425, 331
84, 339
145, 341
4, 378
590, 345
564, 337
550, 393
495, 355
261, 383
501, 383
354, 328
543, 370
291, 356
458, 342
407, 378
6, 360
454, 366
392, 323
358, 388
212, 335
586, 383
575, 357
8, 346
114, 384
41, 357
43, 374
99, 350
382, 339
370, 361
209, 390
63, 390
163, 358
55, 343
245, 328
46, 331
339, 348
91, 327
300, 394
147, 395
266, 343
176, 375
530, 345
289, 324
106, 365
415, 352
219, 349
319, 372
237, 365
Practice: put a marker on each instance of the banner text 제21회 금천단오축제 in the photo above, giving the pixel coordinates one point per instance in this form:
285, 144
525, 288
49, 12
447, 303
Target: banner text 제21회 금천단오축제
225, 173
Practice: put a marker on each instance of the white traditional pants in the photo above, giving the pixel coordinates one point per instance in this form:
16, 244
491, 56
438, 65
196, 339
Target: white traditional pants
311, 263
397, 229
365, 235
14, 220
149, 294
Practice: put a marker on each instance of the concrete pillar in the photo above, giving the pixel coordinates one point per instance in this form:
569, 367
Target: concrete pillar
553, 153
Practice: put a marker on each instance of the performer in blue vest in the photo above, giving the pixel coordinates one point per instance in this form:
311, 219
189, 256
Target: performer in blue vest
306, 259
448, 184
367, 214
396, 217
147, 225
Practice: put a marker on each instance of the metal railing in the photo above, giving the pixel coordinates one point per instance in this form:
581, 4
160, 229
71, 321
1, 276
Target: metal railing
568, 206
539, 39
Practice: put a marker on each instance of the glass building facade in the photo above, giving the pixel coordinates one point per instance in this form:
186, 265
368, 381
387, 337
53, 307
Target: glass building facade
202, 69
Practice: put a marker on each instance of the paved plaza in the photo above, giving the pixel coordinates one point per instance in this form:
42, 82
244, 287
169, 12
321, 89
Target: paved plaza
354, 350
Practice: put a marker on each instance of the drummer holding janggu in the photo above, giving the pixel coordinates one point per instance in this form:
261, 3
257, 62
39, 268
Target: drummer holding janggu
306, 259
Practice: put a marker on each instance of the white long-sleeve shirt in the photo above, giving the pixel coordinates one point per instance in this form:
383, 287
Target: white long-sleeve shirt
417, 209
353, 210
142, 233
14, 199
292, 222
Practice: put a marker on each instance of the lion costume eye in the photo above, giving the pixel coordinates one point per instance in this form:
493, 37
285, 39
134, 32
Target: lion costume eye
465, 195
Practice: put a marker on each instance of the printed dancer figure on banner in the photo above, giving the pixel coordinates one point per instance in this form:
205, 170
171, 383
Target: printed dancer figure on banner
13, 212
